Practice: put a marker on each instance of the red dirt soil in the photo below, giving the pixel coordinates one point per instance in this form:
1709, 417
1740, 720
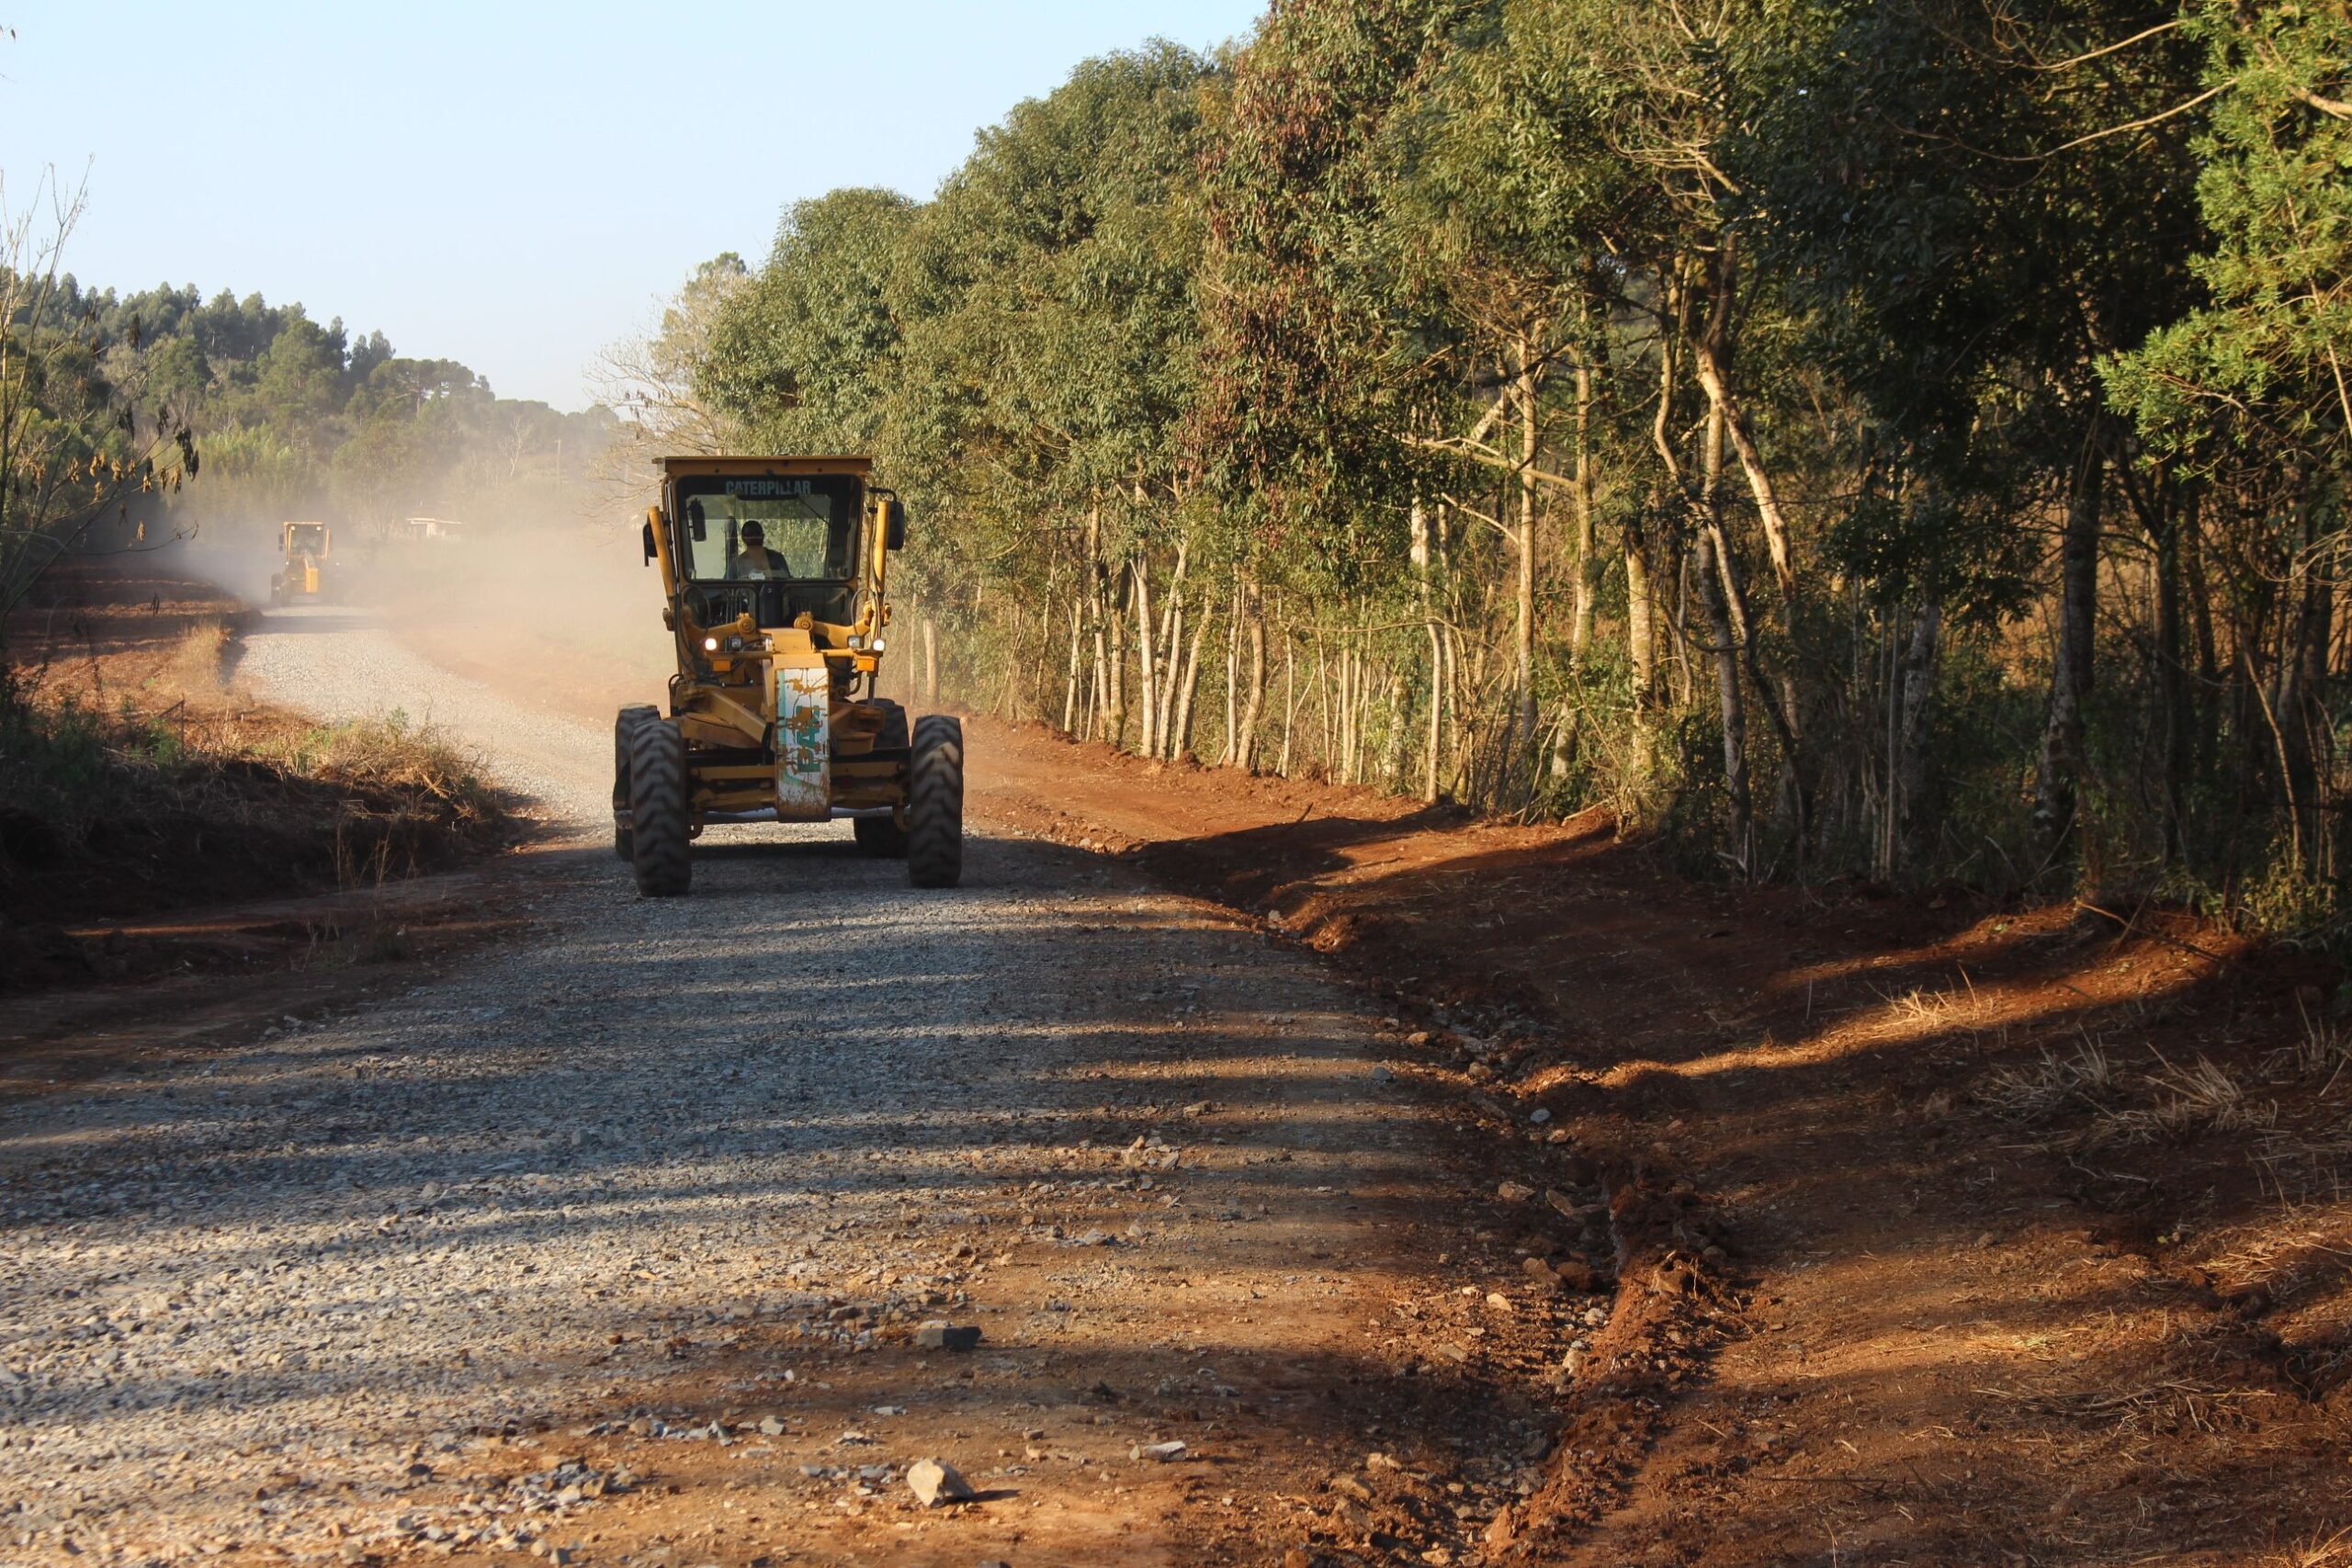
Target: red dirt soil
1955, 1234
1947, 1233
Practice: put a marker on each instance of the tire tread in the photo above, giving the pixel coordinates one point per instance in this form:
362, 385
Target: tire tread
935, 803
659, 840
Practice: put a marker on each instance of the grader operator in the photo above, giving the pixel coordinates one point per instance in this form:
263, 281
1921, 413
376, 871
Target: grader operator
774, 571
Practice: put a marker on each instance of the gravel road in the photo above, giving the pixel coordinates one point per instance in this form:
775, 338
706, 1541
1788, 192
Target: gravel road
610, 1244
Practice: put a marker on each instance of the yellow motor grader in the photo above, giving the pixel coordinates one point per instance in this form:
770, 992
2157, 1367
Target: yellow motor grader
304, 575
773, 570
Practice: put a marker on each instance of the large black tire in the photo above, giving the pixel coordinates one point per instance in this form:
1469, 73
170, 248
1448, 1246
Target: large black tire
935, 803
657, 809
630, 718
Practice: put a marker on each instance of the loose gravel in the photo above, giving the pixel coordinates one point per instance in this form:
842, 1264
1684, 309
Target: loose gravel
248, 1298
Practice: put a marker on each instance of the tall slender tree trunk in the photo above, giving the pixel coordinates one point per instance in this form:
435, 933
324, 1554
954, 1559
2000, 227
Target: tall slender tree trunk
1343, 712
1913, 761
1588, 564
1233, 675
930, 663
2302, 676
1323, 701
1641, 626
2172, 679
2058, 784
1419, 519
1179, 738
1290, 700
1245, 755
1710, 360
1168, 664
1731, 698
1070, 695
1118, 727
1172, 665
1718, 594
1523, 623
1146, 680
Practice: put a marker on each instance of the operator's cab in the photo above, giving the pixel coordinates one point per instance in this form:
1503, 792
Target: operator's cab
809, 526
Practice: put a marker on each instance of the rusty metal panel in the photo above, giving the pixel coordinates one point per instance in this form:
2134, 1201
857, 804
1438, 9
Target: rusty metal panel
804, 746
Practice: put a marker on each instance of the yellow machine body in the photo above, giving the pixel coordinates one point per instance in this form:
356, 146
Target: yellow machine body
775, 673
305, 547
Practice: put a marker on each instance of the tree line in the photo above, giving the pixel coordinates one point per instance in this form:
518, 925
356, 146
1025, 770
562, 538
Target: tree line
112, 403
1905, 439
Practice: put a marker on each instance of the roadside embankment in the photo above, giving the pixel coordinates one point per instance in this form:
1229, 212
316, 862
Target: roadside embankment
1949, 1231
138, 779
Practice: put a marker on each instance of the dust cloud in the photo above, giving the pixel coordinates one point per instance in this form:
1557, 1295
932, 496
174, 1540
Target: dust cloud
557, 589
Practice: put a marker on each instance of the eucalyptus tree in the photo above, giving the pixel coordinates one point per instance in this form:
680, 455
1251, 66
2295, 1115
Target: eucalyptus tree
1495, 219
800, 358
82, 445
1975, 205
1047, 295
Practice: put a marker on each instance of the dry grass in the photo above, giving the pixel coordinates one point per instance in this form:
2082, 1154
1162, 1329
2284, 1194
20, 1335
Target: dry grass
112, 808
2083, 1078
195, 665
2203, 1098
2330, 1552
2321, 1053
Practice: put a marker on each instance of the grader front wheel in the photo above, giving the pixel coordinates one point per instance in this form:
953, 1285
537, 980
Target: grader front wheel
623, 727
658, 831
935, 803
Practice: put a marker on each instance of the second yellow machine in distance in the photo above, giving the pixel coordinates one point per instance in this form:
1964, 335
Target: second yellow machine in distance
304, 575
775, 570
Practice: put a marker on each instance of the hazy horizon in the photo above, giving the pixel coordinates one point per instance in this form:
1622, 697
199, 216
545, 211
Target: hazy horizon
487, 186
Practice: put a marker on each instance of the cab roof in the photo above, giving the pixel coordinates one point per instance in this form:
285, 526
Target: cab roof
676, 467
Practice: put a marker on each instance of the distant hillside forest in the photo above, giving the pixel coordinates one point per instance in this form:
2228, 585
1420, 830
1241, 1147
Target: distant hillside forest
1904, 439
128, 418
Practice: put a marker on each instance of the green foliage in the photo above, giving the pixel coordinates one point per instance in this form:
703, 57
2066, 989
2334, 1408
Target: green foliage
2262, 360
797, 358
1440, 342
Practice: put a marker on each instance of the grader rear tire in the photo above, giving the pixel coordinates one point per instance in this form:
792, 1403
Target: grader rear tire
630, 718
935, 803
656, 809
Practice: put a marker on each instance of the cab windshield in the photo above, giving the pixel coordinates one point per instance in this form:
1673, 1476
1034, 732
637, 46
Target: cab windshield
305, 538
770, 547
761, 529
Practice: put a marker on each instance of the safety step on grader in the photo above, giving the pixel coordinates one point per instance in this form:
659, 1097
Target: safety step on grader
773, 568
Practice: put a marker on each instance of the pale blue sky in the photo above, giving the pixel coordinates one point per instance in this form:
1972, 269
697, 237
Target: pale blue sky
510, 185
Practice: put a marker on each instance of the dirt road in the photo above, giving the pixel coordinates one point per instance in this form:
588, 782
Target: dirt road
613, 1244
